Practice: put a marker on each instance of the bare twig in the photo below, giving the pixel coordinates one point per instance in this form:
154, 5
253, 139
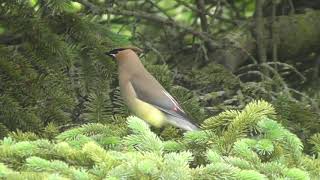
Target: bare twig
194, 9
259, 32
188, 5
92, 7
274, 33
234, 9
153, 18
217, 12
280, 64
202, 15
160, 9
316, 73
292, 9
204, 25
11, 39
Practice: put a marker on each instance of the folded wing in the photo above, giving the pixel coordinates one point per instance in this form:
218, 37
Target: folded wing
157, 96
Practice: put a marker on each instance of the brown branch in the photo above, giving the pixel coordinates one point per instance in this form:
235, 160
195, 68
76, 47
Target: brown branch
202, 15
92, 7
316, 73
159, 8
188, 5
217, 12
11, 39
194, 9
260, 32
153, 18
204, 25
150, 17
274, 33
292, 9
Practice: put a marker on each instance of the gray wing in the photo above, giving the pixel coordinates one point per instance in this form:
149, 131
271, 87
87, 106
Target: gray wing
156, 95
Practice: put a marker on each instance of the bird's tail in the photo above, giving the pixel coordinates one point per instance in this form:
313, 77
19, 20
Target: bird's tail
182, 123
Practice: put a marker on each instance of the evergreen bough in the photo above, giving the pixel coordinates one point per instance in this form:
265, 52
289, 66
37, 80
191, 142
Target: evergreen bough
250, 145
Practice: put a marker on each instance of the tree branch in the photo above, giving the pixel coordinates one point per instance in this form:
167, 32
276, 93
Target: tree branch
194, 9
293, 43
92, 7
159, 8
274, 33
202, 15
11, 39
153, 18
259, 21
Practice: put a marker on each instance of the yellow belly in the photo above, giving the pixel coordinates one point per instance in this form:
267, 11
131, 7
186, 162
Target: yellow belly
148, 113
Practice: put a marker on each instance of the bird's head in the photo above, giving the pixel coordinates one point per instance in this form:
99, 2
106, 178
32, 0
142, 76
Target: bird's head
114, 52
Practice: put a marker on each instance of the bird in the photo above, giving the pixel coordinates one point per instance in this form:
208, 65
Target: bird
145, 97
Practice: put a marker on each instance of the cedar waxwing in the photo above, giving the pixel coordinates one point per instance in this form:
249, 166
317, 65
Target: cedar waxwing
144, 95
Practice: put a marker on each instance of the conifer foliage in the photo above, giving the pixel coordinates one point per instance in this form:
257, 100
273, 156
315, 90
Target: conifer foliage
52, 66
62, 117
260, 148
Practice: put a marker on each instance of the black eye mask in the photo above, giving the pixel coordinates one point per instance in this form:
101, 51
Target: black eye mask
113, 52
